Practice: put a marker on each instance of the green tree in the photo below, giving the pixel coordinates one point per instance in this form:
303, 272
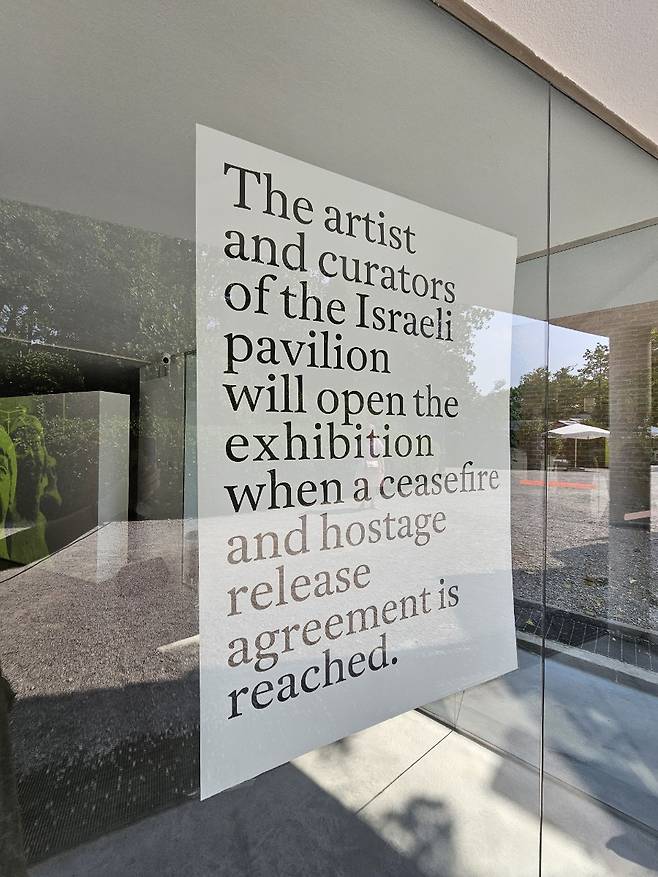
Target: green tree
594, 376
77, 282
565, 394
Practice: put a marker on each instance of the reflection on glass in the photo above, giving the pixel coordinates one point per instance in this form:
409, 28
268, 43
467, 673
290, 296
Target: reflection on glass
36, 482
601, 757
8, 474
601, 603
98, 639
105, 727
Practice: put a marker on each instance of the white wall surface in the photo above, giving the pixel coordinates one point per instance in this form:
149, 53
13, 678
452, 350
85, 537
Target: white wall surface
608, 47
99, 101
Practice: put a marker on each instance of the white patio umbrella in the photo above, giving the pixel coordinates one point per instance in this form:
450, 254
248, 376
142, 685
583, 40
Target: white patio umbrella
579, 431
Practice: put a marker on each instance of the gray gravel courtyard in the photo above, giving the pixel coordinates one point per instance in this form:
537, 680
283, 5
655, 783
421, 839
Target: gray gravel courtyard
577, 548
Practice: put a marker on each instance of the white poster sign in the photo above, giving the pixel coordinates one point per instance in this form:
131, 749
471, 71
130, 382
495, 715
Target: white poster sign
353, 451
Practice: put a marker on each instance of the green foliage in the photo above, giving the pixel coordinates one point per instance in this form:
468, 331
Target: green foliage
565, 393
594, 376
542, 398
35, 371
77, 282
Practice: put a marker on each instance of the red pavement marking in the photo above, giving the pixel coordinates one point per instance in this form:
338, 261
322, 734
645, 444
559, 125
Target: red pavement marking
577, 485
636, 516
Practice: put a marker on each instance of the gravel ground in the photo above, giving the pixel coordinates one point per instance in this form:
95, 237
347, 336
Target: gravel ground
82, 654
578, 575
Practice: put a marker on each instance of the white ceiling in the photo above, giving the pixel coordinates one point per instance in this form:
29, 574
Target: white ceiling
608, 47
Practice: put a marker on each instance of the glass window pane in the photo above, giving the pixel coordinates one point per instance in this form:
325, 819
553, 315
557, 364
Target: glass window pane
98, 585
600, 700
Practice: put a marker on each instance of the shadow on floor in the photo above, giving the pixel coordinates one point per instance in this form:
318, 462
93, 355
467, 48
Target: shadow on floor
279, 825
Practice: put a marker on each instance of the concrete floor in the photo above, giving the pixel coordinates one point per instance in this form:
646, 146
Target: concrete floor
599, 732
407, 798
